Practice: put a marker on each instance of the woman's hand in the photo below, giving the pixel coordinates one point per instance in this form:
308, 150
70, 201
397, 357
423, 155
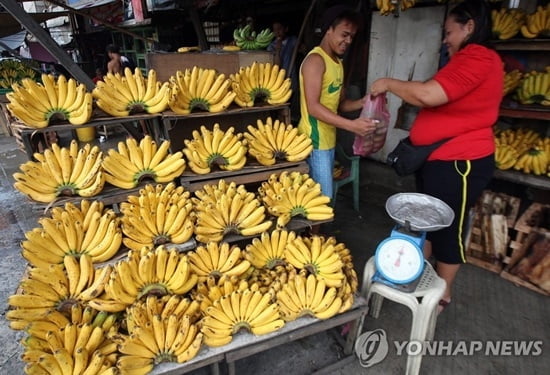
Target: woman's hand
380, 86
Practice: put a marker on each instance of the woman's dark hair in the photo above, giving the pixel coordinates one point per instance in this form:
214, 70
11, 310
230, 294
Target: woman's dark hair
478, 11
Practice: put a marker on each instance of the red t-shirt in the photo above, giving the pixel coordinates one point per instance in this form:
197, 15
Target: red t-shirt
473, 80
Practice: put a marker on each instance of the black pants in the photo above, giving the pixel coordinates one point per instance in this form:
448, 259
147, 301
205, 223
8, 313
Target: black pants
458, 183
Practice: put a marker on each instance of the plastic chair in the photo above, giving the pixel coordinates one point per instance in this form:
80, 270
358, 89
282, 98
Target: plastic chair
353, 164
429, 291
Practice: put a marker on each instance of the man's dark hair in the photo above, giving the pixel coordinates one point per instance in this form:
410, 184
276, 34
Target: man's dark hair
478, 11
336, 14
112, 48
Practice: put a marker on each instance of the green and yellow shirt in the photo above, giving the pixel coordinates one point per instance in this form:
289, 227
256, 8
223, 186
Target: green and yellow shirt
323, 135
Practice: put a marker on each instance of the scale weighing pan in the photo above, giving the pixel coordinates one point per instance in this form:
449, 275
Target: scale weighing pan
419, 212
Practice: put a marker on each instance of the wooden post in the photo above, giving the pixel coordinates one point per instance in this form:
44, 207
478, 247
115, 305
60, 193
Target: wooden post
17, 11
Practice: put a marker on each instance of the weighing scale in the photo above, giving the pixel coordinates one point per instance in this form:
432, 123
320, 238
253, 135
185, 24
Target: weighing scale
399, 259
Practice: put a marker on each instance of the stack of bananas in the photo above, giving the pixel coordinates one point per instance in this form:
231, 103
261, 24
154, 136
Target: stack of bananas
161, 336
133, 162
303, 296
260, 83
217, 260
251, 310
272, 141
538, 23
268, 250
159, 215
291, 194
73, 232
535, 88
55, 288
512, 80
215, 147
248, 39
319, 257
214, 288
523, 149
199, 89
387, 7
13, 71
506, 23
39, 105
224, 208
62, 171
159, 272
123, 95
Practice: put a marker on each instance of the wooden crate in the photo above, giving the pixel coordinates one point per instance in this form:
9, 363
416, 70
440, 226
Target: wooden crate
490, 221
530, 219
529, 265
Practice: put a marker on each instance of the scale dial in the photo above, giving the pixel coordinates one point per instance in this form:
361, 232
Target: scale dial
399, 260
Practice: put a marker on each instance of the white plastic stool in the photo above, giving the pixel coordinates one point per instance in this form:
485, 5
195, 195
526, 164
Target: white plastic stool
429, 290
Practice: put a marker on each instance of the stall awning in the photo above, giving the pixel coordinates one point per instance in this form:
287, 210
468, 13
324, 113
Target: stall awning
9, 25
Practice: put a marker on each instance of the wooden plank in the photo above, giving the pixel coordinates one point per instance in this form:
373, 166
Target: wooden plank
486, 265
523, 283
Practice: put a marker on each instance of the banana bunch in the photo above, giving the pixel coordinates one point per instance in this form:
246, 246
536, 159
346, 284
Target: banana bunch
268, 250
98, 236
39, 105
123, 95
159, 215
247, 39
160, 337
61, 171
534, 161
13, 71
213, 289
224, 208
505, 156
272, 280
260, 83
537, 23
199, 89
387, 7
512, 80
158, 272
133, 162
215, 147
535, 88
291, 194
246, 309
308, 297
521, 139
142, 312
319, 257
506, 24
55, 288
217, 260
406, 4
348, 268
272, 141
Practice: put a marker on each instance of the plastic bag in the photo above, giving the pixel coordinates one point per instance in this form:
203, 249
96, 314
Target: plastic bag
376, 108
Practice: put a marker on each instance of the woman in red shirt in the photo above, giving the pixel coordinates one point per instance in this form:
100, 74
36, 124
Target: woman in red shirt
460, 102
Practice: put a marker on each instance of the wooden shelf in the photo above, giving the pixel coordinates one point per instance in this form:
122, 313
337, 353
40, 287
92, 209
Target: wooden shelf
531, 112
535, 45
539, 182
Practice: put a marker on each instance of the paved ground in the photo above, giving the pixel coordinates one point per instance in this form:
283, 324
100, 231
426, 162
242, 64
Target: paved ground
485, 307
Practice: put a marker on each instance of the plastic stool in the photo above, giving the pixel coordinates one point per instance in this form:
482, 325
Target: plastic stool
353, 177
430, 289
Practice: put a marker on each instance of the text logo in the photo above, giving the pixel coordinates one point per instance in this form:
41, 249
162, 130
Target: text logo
371, 347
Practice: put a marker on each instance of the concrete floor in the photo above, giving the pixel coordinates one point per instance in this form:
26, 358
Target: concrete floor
485, 307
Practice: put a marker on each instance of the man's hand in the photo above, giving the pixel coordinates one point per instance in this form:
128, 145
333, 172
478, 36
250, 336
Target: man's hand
364, 126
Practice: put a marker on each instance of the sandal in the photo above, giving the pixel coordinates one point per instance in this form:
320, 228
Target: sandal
442, 305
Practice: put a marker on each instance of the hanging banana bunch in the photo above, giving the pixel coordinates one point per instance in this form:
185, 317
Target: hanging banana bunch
292, 194
134, 162
61, 171
260, 83
247, 39
252, 311
130, 93
39, 105
71, 231
199, 89
387, 7
272, 141
215, 147
159, 215
538, 23
159, 272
